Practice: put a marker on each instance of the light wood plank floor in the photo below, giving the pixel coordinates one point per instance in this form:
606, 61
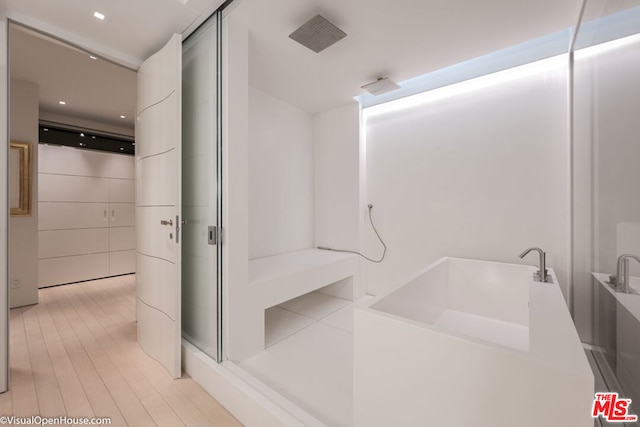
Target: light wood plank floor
75, 354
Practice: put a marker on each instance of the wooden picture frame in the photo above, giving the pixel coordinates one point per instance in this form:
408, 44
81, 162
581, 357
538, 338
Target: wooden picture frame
20, 178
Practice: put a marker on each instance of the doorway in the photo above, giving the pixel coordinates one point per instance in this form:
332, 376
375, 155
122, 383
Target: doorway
104, 203
79, 224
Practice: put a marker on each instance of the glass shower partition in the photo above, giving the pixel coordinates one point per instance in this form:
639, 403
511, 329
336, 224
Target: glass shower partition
201, 206
606, 193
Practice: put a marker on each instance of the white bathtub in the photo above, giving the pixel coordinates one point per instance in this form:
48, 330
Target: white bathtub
470, 343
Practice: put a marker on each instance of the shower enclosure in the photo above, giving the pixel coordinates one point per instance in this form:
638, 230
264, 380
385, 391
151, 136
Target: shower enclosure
606, 200
605, 206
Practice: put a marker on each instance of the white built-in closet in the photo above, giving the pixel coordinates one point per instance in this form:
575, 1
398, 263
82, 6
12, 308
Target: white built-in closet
86, 227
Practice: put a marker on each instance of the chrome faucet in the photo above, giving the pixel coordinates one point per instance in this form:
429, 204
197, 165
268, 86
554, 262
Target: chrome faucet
542, 273
622, 272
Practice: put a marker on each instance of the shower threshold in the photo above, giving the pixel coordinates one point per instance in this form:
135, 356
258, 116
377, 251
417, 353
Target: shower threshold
605, 380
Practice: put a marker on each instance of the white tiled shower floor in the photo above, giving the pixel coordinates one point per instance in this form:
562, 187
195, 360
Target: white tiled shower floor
309, 356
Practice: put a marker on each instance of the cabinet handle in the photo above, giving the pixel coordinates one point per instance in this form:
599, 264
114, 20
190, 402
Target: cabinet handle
104, 215
113, 214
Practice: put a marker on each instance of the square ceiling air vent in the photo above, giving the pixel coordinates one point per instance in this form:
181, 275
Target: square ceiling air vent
317, 34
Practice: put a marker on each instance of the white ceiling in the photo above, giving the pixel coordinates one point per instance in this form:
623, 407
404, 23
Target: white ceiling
96, 90
598, 8
93, 89
131, 31
400, 39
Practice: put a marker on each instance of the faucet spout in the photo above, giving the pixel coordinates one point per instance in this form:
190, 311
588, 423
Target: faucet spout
543, 262
622, 271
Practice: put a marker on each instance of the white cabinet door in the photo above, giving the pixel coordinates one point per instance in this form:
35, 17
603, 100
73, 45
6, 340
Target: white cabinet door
71, 188
69, 269
122, 262
72, 215
121, 215
121, 190
158, 205
63, 243
122, 239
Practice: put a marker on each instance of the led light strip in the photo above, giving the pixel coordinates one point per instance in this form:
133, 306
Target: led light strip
466, 86
591, 51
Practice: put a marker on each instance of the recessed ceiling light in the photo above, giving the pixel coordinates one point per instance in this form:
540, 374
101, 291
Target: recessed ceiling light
122, 117
121, 148
98, 15
93, 57
46, 130
93, 137
81, 135
62, 103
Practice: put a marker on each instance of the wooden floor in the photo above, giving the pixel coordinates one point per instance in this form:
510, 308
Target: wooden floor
75, 354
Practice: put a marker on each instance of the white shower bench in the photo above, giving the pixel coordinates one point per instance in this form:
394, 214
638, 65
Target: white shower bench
276, 279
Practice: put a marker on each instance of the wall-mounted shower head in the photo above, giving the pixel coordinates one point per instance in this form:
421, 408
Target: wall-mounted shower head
317, 34
380, 86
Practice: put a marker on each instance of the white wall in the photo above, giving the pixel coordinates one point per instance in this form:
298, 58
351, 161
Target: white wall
304, 187
280, 176
338, 197
336, 159
482, 174
606, 172
23, 233
235, 249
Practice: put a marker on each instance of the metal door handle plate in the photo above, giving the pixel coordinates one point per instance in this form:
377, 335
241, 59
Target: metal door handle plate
213, 235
